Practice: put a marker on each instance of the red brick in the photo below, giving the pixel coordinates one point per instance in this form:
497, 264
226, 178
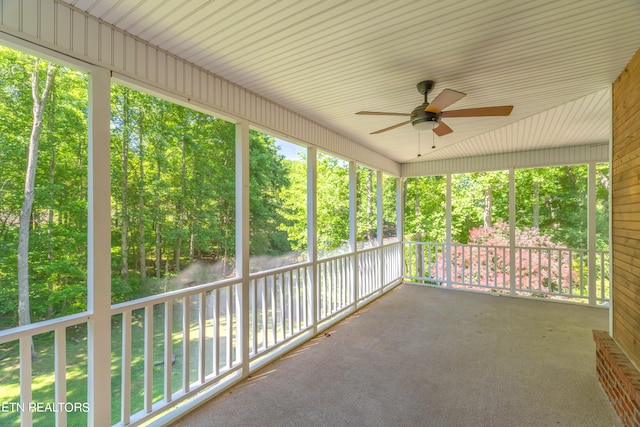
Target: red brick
619, 378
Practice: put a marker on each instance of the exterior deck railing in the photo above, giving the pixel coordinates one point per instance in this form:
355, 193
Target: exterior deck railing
177, 345
186, 343
559, 273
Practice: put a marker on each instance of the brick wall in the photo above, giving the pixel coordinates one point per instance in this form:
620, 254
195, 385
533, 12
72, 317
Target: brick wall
619, 378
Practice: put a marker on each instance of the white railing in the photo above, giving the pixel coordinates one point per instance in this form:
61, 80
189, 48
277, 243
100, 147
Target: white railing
559, 273
281, 306
20, 406
336, 290
370, 277
179, 345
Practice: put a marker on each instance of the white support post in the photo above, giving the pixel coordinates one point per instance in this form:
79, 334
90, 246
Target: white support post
380, 228
353, 230
448, 233
380, 208
99, 247
400, 202
242, 235
591, 232
312, 231
512, 231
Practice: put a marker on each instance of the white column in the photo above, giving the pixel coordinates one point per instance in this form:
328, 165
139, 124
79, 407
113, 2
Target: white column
353, 241
400, 219
447, 246
242, 234
312, 230
591, 232
512, 231
99, 251
400, 199
380, 227
379, 208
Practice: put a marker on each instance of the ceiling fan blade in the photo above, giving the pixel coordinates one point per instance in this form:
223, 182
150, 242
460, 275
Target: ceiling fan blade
391, 127
504, 110
382, 113
442, 129
444, 99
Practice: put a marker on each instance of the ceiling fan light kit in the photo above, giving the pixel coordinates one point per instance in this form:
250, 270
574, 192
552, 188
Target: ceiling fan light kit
428, 116
424, 120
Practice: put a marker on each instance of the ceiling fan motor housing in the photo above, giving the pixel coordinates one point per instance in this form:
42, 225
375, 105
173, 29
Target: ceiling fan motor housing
421, 119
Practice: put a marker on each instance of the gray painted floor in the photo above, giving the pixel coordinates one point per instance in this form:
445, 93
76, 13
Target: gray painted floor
431, 357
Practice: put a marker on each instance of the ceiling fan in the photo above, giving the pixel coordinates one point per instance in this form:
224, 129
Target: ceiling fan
429, 114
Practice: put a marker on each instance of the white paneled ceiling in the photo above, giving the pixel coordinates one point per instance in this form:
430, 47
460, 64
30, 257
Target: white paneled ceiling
554, 61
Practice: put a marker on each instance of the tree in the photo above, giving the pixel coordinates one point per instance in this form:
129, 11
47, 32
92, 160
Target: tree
425, 208
332, 204
366, 202
39, 104
268, 175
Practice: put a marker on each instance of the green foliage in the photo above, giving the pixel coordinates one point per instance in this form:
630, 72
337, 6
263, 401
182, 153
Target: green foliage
293, 206
553, 200
389, 220
425, 208
560, 196
333, 204
58, 234
173, 190
269, 175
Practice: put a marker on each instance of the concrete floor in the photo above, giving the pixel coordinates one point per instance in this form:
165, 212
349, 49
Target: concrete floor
431, 357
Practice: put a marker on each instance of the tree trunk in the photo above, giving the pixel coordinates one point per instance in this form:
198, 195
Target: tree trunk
604, 180
158, 250
419, 258
370, 231
39, 104
536, 205
142, 252
180, 208
52, 169
488, 206
158, 228
192, 243
124, 215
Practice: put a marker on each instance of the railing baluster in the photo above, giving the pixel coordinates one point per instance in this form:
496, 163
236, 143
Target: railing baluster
602, 275
186, 341
60, 369
280, 282
216, 332
126, 368
168, 350
540, 278
148, 358
202, 337
290, 286
25, 380
263, 306
237, 321
298, 283
229, 328
274, 309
